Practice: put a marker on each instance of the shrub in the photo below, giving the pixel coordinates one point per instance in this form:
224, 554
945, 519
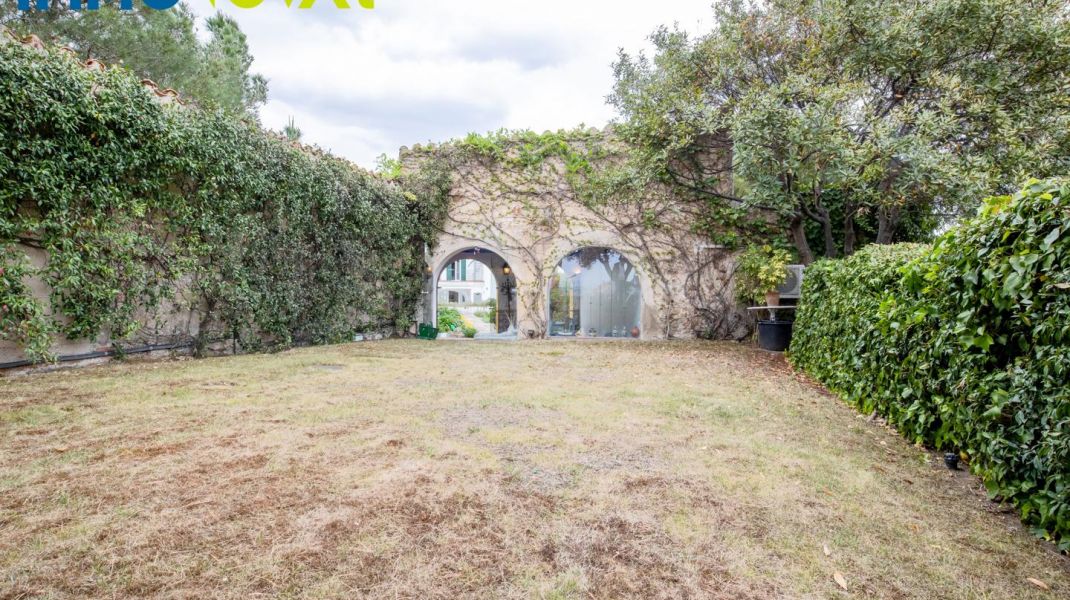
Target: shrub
964, 347
449, 319
836, 334
760, 269
469, 331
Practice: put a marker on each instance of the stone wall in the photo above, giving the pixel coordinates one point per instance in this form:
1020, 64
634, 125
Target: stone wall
534, 213
211, 232
173, 324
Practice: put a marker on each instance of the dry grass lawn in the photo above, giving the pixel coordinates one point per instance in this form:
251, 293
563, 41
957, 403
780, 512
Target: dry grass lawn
410, 469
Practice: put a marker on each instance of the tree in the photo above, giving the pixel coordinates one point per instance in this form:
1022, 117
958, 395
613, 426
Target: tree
226, 61
855, 109
160, 45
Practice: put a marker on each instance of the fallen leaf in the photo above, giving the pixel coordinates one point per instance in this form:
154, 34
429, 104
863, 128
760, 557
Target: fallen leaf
1040, 584
840, 581
827, 551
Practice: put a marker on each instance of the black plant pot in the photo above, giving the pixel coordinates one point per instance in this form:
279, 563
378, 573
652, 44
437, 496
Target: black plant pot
951, 460
774, 336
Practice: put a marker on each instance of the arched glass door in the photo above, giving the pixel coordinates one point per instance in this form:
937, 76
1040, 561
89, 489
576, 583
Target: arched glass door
594, 292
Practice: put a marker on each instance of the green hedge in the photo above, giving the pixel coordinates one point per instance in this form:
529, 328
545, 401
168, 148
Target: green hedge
964, 346
134, 201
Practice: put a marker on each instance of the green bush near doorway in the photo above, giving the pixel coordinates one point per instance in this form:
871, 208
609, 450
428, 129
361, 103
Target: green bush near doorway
449, 319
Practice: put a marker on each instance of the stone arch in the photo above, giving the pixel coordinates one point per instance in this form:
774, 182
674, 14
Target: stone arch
496, 261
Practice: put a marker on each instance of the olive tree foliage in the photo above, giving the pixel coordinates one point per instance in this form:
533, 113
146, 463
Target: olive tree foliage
160, 45
840, 110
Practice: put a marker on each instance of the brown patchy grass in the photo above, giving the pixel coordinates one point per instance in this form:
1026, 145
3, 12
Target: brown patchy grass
408, 469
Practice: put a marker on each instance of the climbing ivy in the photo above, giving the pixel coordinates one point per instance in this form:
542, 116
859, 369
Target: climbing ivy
22, 317
526, 148
143, 209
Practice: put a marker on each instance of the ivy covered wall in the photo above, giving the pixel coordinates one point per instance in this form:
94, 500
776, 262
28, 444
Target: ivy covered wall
533, 198
127, 217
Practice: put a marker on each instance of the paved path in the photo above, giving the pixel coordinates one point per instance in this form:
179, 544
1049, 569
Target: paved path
477, 321
485, 331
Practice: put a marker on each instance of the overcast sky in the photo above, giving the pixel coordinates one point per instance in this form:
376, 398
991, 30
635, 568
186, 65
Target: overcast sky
365, 82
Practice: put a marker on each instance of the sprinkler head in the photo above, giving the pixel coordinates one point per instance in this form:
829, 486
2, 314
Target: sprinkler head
951, 460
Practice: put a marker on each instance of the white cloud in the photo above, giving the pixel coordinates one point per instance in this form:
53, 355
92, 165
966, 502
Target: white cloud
365, 82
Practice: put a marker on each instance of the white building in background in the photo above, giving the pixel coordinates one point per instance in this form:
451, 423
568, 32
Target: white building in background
466, 282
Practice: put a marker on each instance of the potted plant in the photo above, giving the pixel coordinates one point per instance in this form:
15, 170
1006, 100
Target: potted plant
759, 271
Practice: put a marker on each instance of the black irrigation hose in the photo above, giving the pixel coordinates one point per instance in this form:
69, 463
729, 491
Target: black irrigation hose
99, 354
15, 364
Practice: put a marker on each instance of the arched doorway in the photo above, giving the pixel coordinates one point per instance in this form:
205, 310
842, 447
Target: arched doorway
595, 292
480, 286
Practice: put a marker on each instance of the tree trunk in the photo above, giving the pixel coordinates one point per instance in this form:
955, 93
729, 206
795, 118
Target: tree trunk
798, 237
850, 236
826, 230
887, 222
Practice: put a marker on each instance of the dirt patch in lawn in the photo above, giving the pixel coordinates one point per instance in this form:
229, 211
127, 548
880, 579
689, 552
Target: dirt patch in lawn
550, 470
